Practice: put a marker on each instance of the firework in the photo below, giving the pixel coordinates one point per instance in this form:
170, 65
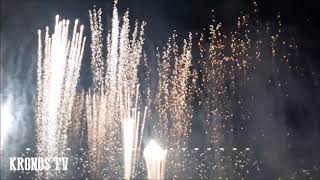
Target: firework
57, 76
229, 63
172, 104
114, 108
155, 158
113, 104
132, 137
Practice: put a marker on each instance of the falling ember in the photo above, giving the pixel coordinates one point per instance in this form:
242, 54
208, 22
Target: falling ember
155, 158
57, 76
172, 104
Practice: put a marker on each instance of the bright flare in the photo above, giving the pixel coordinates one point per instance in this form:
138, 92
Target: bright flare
155, 158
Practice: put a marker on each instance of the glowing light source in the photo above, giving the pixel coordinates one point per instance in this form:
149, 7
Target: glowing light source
155, 158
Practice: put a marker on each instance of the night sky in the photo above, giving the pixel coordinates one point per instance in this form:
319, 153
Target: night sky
164, 16
23, 18
20, 20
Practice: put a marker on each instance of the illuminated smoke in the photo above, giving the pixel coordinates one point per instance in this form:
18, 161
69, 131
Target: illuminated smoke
7, 119
58, 66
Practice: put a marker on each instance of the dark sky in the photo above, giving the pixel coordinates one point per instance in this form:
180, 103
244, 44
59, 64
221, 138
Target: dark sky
22, 17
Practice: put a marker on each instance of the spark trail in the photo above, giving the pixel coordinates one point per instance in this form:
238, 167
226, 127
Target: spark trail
172, 104
115, 117
229, 64
115, 110
59, 60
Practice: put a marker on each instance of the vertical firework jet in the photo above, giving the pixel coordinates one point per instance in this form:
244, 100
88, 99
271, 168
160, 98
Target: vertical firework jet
113, 109
155, 158
57, 76
132, 137
172, 104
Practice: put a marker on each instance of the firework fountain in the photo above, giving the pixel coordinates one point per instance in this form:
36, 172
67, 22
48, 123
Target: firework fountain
172, 103
229, 63
57, 76
116, 111
155, 158
113, 104
171, 106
